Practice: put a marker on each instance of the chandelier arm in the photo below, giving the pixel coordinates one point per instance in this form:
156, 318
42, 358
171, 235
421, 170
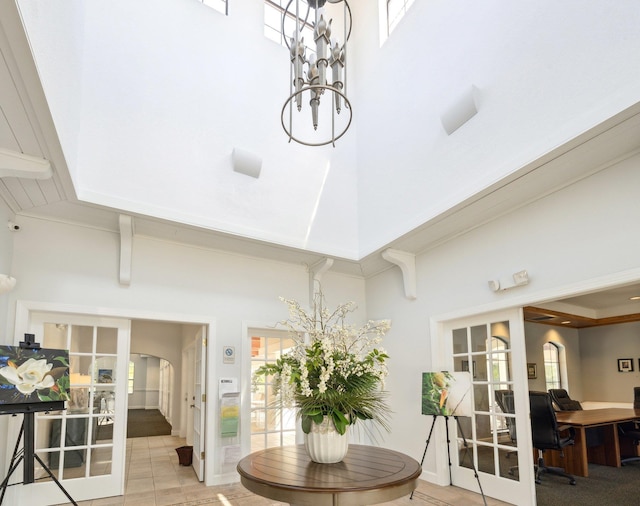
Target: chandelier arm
309, 88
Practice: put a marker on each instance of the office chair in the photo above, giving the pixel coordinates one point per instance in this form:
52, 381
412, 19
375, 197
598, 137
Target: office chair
563, 402
546, 434
631, 430
504, 399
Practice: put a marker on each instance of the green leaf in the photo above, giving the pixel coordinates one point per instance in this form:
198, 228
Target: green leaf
306, 424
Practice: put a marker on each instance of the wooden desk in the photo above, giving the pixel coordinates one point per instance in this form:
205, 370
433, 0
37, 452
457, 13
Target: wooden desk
577, 457
367, 475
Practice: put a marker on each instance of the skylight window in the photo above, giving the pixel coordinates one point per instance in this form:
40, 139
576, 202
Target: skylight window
218, 5
396, 9
273, 11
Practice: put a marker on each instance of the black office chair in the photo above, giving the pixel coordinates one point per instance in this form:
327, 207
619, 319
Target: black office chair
631, 430
562, 401
504, 400
546, 434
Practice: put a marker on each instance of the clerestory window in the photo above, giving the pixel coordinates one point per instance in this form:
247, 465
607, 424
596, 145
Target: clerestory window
273, 12
218, 5
396, 9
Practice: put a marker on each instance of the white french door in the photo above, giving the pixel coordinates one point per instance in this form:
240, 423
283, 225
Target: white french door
83, 445
492, 348
198, 405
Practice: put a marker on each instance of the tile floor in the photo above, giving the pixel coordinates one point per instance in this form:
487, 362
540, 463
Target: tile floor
155, 478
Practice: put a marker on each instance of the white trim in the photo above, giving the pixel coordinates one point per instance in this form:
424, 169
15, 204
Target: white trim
23, 307
437, 322
546, 295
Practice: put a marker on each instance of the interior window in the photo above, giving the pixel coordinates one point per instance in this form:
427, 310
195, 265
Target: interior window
131, 376
219, 5
396, 9
551, 354
273, 12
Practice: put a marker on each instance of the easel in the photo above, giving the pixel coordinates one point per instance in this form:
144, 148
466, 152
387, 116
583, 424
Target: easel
466, 446
27, 454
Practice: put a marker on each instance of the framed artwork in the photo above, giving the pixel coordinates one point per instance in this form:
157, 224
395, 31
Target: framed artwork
532, 371
465, 367
625, 365
30, 376
105, 376
446, 393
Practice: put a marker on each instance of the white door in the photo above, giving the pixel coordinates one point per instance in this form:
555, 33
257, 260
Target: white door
199, 404
83, 445
492, 348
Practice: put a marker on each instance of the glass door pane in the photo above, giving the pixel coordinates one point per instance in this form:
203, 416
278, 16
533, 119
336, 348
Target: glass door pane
87, 439
487, 441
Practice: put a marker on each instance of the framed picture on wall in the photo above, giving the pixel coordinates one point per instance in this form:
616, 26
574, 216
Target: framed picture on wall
625, 365
532, 371
465, 367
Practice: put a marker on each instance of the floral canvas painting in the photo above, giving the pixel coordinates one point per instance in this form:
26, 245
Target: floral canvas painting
446, 393
31, 376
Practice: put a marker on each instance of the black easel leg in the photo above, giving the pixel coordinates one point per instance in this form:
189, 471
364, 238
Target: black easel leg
446, 424
55, 479
13, 465
27, 456
433, 422
473, 466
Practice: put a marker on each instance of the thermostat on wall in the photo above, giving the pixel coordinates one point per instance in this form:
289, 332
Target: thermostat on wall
228, 355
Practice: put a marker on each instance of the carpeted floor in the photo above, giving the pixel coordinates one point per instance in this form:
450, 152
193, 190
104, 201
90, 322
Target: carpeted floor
140, 423
605, 486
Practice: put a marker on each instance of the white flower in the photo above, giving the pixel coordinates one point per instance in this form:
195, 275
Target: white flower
30, 376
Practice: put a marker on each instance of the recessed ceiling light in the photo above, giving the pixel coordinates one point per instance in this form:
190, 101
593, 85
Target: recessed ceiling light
635, 297
566, 322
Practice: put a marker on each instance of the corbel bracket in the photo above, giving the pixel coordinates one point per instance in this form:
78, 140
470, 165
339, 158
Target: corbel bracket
315, 276
407, 263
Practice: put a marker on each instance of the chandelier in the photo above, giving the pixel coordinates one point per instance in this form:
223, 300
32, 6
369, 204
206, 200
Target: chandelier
318, 70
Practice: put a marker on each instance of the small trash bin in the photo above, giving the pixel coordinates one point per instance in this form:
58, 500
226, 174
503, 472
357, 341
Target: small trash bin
185, 455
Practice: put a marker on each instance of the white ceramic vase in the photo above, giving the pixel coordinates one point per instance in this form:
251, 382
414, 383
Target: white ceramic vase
324, 444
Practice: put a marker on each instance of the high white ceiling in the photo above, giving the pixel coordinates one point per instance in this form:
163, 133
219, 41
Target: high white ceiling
27, 126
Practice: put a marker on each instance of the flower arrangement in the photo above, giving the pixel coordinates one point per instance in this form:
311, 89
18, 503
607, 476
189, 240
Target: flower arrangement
334, 369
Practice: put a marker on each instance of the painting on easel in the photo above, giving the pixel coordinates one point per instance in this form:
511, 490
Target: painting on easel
33, 375
446, 393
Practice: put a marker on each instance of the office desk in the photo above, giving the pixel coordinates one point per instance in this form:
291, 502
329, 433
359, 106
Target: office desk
577, 457
367, 475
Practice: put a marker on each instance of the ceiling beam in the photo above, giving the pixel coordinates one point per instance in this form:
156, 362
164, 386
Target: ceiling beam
15, 164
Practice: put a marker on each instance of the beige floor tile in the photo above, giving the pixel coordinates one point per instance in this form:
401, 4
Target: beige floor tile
137, 485
166, 482
108, 501
155, 478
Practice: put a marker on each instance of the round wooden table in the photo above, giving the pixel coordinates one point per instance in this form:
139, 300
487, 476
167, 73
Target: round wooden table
367, 475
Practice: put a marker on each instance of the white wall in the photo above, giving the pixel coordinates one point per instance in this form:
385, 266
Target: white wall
6, 256
583, 232
601, 347
77, 266
137, 399
545, 71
